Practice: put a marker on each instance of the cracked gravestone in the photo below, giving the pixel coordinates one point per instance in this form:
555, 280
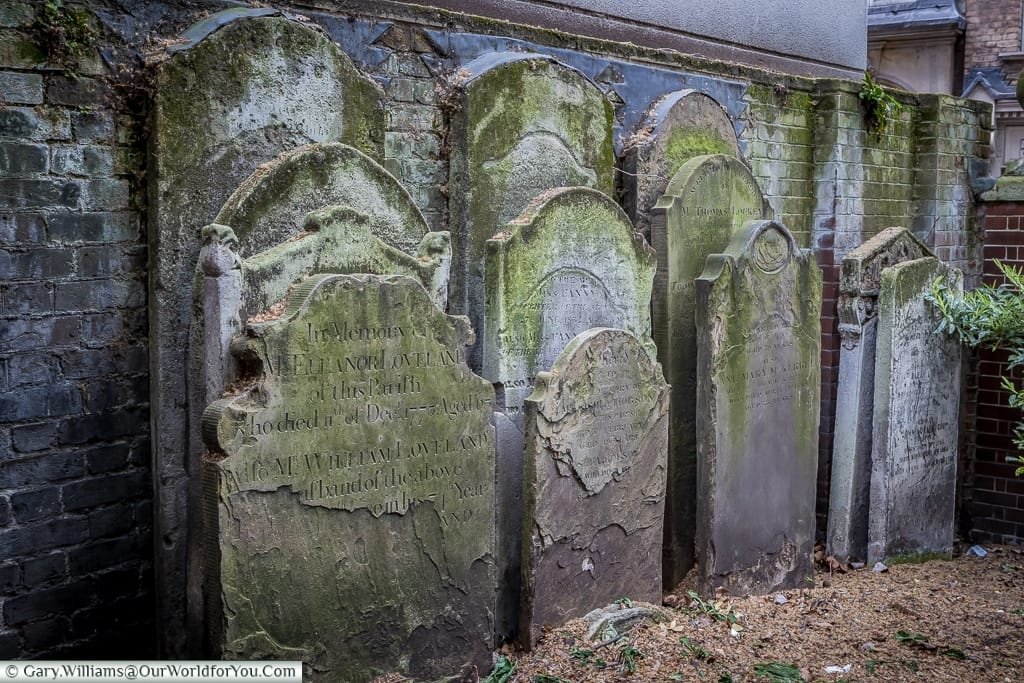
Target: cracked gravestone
246, 92
350, 488
916, 417
597, 428
708, 200
759, 377
859, 286
522, 123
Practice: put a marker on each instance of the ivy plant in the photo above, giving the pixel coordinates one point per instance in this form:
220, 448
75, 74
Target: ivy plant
880, 107
991, 317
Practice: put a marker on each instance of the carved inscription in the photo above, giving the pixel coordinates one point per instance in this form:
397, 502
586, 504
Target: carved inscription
361, 415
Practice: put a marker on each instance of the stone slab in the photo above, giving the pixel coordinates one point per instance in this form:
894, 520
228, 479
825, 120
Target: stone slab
758, 402
236, 99
916, 418
708, 200
859, 285
594, 463
350, 488
521, 124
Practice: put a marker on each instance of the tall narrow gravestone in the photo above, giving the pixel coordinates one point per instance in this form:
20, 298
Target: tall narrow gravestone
860, 281
708, 200
917, 406
521, 124
597, 427
350, 488
758, 373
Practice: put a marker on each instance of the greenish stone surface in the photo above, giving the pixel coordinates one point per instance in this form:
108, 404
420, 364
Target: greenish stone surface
916, 417
350, 488
596, 436
238, 98
707, 202
758, 398
520, 124
680, 126
569, 262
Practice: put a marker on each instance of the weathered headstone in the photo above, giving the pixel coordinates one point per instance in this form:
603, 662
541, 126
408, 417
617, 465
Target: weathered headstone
708, 200
597, 430
860, 281
758, 324
569, 262
679, 126
350, 488
236, 99
521, 124
916, 417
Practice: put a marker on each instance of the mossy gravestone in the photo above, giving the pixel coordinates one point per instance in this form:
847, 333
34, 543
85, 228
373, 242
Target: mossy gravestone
597, 428
521, 124
236, 99
351, 488
679, 126
569, 262
707, 201
860, 283
916, 415
758, 374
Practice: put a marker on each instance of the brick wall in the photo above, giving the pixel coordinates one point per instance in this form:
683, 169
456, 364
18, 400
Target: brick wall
75, 569
993, 26
995, 512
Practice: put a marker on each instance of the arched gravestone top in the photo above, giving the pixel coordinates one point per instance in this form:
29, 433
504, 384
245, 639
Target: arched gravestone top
707, 201
679, 126
597, 426
270, 205
569, 262
520, 124
238, 97
759, 386
351, 488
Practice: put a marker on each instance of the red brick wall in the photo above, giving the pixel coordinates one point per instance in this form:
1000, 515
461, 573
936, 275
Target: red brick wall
993, 26
995, 506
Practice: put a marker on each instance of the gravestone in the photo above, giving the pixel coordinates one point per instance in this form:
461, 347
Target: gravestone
222, 106
708, 200
916, 418
597, 429
860, 281
569, 262
350, 488
679, 126
521, 124
759, 386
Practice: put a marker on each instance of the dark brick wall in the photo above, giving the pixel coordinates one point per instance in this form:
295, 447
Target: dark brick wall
993, 27
995, 511
75, 490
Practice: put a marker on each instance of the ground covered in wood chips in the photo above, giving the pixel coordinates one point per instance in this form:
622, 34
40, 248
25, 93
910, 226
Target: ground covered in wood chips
959, 620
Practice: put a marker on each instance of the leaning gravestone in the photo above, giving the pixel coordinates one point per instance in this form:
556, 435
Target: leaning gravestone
571, 261
350, 488
758, 324
860, 281
521, 124
222, 106
679, 126
708, 200
917, 408
597, 428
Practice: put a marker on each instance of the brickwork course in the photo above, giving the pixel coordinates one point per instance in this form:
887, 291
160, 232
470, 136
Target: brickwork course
76, 519
993, 27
